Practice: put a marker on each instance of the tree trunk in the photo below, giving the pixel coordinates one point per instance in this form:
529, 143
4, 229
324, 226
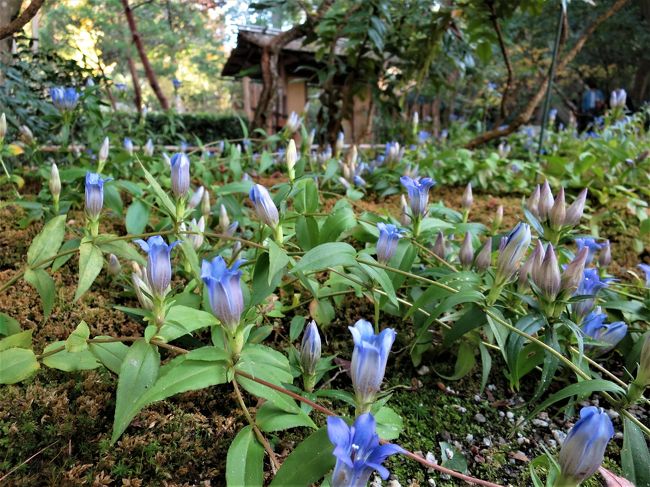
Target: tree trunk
525, 115
137, 91
151, 76
7, 14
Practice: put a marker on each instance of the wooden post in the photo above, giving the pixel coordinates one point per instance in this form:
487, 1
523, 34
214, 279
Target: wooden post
246, 89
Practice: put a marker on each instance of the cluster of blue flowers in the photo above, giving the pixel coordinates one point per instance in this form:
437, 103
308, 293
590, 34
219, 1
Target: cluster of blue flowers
65, 99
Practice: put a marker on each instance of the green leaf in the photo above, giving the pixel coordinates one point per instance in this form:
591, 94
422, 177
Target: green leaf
181, 320
163, 198
583, 388
296, 327
68, 245
271, 418
389, 424
308, 463
307, 232
486, 365
138, 373
46, 244
261, 287
326, 255
305, 199
245, 461
465, 362
379, 275
278, 259
91, 262
110, 354
17, 364
337, 223
76, 342
192, 258
44, 284
67, 361
186, 373
121, 248
22, 339
137, 217
635, 457
8, 325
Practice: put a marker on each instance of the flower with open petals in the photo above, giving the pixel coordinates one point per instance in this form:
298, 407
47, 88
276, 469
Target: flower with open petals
224, 290
418, 193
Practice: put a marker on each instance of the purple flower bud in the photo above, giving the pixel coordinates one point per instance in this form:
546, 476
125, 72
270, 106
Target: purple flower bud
128, 145
646, 270
583, 449
558, 211
180, 169
358, 451
159, 267
94, 194
545, 201
224, 291
468, 197
484, 257
573, 273
114, 266
575, 210
389, 236
369, 360
605, 257
511, 251
466, 253
310, 349
264, 206
439, 247
418, 193
547, 275
404, 217
591, 245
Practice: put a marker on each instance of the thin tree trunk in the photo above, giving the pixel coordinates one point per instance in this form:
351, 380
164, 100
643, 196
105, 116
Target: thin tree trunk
525, 115
506, 59
137, 91
151, 76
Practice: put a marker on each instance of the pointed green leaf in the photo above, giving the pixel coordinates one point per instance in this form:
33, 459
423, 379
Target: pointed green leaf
110, 354
46, 244
17, 364
245, 461
91, 262
44, 284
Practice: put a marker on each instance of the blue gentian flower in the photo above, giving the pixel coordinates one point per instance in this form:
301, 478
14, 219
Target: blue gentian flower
128, 145
310, 349
418, 192
357, 451
369, 360
595, 327
94, 194
180, 165
224, 290
177, 83
423, 136
583, 449
646, 270
264, 206
389, 236
65, 99
590, 285
590, 244
120, 86
159, 267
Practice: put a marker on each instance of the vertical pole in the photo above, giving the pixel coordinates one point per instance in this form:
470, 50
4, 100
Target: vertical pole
551, 75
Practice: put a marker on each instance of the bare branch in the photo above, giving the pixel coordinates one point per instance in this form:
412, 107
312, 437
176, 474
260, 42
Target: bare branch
20, 21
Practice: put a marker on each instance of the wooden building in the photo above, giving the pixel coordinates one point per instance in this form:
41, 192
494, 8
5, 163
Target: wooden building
297, 81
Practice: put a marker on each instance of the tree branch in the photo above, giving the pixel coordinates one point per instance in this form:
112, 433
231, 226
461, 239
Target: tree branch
20, 21
504, 52
525, 115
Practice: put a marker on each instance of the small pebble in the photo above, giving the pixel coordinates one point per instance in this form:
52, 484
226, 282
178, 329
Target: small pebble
540, 423
469, 438
510, 415
551, 442
487, 442
480, 418
394, 483
424, 370
502, 414
492, 387
559, 436
477, 398
619, 435
431, 482
521, 440
612, 414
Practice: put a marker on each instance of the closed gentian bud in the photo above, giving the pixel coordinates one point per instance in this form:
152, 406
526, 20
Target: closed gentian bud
159, 267
389, 236
292, 157
103, 151
180, 165
196, 237
264, 206
338, 146
114, 266
643, 374
358, 451
224, 291
168, 161
484, 257
545, 201
369, 361
503, 150
558, 212
26, 134
605, 257
293, 123
498, 218
524, 271
224, 220
128, 145
148, 148
618, 98
418, 193
3, 126
404, 217
646, 270
547, 276
584, 448
55, 183
94, 194
416, 121
206, 206
141, 288
575, 210
532, 204
310, 349
439, 247
468, 198
512, 250
196, 198
466, 253
573, 273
